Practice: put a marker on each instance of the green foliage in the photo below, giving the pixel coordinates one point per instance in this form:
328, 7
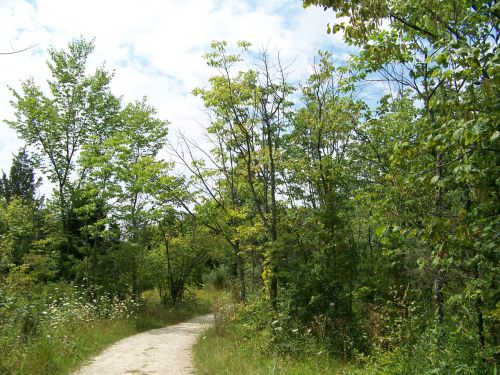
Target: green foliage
428, 153
56, 327
239, 343
372, 229
217, 278
58, 125
21, 181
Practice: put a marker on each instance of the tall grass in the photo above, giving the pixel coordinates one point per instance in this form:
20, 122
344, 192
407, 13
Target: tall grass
251, 339
230, 346
231, 352
58, 331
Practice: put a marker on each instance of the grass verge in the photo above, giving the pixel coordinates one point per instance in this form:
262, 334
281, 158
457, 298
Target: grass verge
67, 347
226, 349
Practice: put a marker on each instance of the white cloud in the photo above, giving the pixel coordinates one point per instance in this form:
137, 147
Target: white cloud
155, 46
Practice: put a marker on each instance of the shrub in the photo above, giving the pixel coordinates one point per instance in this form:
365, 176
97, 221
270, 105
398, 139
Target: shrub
217, 278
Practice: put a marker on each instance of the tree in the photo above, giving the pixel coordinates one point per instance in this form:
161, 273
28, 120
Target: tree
322, 271
221, 209
183, 249
57, 125
134, 149
22, 217
21, 182
250, 110
446, 54
4, 187
78, 107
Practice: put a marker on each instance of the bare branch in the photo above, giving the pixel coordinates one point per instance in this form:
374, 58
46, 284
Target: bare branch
19, 50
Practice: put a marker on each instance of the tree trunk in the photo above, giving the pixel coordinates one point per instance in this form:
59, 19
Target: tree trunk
94, 260
241, 271
273, 292
135, 284
169, 265
479, 311
439, 280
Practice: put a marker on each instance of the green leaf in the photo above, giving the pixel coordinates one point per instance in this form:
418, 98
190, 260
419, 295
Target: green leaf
421, 263
380, 230
442, 58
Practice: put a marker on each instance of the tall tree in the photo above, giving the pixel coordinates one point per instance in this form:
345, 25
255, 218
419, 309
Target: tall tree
251, 112
135, 149
21, 182
447, 53
4, 186
57, 124
218, 185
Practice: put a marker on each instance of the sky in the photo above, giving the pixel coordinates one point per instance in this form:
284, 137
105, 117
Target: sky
155, 47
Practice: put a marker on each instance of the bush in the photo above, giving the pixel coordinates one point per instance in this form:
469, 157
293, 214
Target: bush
217, 278
55, 326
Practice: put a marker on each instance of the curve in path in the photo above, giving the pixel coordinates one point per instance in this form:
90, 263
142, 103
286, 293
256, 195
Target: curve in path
158, 351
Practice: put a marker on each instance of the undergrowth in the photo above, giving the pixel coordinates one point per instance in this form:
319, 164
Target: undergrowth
253, 339
59, 329
238, 344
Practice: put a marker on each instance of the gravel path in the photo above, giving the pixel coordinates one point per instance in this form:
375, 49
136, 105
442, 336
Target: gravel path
165, 351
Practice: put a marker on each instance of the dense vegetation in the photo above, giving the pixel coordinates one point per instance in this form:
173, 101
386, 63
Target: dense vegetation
78, 270
350, 230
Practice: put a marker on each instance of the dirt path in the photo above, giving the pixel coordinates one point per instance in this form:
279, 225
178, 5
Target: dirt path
158, 351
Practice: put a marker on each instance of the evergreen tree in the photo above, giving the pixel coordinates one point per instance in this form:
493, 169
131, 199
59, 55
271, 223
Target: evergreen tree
21, 181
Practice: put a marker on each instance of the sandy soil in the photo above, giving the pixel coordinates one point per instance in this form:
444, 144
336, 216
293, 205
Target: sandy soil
158, 351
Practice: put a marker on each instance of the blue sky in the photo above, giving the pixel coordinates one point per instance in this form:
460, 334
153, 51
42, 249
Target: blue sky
155, 46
